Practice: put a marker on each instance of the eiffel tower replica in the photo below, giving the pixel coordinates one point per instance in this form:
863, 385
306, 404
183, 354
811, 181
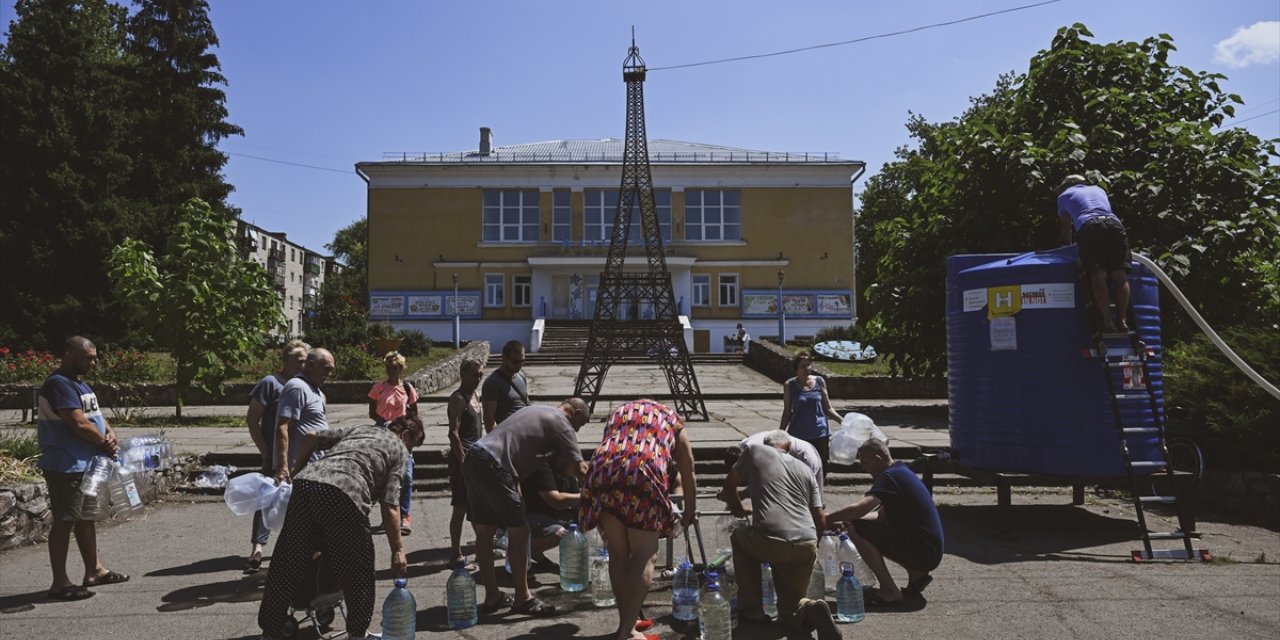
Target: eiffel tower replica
660, 337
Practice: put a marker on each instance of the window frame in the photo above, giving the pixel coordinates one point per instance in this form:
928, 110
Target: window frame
607, 208
561, 215
490, 288
521, 283
705, 286
526, 215
696, 210
732, 280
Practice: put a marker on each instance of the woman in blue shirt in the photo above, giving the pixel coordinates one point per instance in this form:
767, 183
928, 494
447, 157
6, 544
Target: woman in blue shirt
806, 407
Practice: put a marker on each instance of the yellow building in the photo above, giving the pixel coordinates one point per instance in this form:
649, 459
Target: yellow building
510, 236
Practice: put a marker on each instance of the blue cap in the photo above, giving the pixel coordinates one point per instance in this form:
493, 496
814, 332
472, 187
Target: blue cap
573, 526
402, 583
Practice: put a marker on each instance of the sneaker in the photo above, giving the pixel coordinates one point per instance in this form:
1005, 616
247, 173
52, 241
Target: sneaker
406, 525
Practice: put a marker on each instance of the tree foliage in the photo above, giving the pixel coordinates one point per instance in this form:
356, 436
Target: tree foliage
1198, 198
207, 307
341, 315
110, 122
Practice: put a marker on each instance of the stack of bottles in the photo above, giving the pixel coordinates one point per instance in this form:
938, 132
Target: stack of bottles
574, 569
147, 453
400, 613
714, 615
460, 598
109, 489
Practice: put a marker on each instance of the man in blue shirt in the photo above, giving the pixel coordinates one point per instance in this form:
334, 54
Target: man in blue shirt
896, 520
300, 415
1104, 246
71, 431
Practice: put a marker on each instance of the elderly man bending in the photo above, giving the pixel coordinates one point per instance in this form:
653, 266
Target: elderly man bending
493, 470
786, 516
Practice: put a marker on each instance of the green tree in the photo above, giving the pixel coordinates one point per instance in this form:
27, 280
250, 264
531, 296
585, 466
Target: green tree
206, 306
341, 313
1199, 198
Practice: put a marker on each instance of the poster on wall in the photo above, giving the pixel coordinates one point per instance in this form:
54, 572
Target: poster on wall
425, 306
759, 304
834, 304
801, 305
382, 306
467, 305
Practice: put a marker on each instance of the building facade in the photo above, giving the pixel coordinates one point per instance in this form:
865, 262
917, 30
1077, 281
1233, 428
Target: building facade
297, 273
506, 237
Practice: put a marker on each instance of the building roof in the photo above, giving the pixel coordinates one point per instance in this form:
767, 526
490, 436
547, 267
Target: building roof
610, 151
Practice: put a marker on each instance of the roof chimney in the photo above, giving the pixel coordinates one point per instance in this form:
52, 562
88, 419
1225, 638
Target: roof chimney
486, 141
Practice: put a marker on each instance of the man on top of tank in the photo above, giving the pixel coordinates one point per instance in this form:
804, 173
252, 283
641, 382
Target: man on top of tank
1104, 246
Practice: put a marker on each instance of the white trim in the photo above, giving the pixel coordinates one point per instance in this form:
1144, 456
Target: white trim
744, 263
737, 290
502, 290
537, 176
574, 261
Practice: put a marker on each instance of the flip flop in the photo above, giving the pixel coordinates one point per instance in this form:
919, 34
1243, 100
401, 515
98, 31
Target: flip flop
535, 607
872, 598
254, 565
916, 587
70, 593
506, 601
110, 577
643, 624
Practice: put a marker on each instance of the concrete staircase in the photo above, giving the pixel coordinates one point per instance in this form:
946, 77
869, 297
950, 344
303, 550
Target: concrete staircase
565, 342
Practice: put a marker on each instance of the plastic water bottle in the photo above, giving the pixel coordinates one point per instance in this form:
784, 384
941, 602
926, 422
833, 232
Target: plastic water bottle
601, 585
849, 604
817, 583
713, 614
460, 598
768, 595
399, 613
684, 593
729, 589
95, 475
849, 553
827, 549
573, 561
123, 491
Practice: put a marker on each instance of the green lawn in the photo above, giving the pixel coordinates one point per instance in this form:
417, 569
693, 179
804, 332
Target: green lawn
852, 369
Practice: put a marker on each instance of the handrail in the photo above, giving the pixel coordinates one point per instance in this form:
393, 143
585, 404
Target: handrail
1204, 326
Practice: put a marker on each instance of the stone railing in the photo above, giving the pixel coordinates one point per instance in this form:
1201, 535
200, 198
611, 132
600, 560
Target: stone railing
775, 362
442, 374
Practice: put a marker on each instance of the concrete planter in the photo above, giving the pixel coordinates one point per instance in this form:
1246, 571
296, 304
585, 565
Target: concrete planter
775, 362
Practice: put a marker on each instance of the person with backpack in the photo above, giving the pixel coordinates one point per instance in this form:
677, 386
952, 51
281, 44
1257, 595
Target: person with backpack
388, 400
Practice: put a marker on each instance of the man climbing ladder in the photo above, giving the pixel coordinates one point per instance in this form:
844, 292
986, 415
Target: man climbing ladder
1104, 246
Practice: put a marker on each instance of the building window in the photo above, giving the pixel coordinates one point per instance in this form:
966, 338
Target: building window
521, 291
701, 289
711, 215
728, 289
511, 216
600, 207
560, 216
493, 290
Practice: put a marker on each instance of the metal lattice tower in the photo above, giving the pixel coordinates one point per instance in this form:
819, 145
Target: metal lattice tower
660, 337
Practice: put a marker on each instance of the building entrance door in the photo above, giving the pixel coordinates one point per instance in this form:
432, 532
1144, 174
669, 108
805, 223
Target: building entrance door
560, 297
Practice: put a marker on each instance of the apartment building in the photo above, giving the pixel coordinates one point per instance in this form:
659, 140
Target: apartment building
297, 273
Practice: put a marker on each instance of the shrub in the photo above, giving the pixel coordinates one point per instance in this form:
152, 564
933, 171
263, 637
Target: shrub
355, 363
19, 446
130, 366
1227, 414
26, 366
414, 343
840, 332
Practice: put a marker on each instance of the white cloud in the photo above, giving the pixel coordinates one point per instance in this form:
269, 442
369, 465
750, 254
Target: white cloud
1258, 43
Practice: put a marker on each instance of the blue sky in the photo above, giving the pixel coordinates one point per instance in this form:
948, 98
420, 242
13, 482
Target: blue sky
328, 84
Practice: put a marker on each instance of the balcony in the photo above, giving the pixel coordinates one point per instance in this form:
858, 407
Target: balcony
309, 303
313, 267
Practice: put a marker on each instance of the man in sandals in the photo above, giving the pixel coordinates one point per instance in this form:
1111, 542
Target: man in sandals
905, 528
71, 431
493, 470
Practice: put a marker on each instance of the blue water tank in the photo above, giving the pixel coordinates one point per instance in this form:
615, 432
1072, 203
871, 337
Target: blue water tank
1027, 390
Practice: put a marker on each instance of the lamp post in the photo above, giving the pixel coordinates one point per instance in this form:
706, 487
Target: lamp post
457, 320
782, 314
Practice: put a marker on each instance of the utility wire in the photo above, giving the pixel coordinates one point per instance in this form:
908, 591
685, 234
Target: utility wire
1238, 122
292, 164
857, 40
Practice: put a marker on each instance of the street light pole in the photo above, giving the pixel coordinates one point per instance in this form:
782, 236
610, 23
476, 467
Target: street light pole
782, 314
457, 320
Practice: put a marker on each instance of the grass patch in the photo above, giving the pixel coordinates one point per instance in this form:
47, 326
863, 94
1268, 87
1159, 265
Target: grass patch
851, 369
416, 363
18, 455
161, 423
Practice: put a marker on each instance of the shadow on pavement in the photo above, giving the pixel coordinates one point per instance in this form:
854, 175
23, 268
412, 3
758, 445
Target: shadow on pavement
25, 601
1035, 532
247, 589
208, 565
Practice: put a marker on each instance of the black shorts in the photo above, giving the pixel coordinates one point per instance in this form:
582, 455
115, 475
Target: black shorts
492, 498
1104, 245
913, 555
457, 485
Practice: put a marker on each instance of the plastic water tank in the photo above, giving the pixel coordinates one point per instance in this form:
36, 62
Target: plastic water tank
1024, 396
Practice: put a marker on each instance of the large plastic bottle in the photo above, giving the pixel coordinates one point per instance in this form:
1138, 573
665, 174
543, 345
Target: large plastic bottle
768, 595
400, 613
601, 585
684, 592
849, 604
828, 546
817, 583
460, 598
849, 553
714, 619
574, 572
123, 491
729, 589
95, 475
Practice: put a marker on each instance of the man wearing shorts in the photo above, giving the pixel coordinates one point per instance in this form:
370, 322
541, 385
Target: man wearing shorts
1104, 246
905, 529
493, 470
71, 431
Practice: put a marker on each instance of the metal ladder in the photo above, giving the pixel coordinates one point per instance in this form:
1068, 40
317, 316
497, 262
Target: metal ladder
1125, 359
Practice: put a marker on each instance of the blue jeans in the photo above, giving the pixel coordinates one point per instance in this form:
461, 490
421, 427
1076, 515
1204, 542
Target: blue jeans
406, 491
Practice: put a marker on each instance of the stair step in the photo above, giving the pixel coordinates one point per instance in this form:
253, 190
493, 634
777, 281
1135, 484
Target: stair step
1158, 499
1138, 430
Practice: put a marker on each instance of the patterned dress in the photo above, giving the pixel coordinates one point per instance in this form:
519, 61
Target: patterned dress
628, 476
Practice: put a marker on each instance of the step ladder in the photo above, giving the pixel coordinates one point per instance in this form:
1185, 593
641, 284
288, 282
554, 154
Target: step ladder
1125, 358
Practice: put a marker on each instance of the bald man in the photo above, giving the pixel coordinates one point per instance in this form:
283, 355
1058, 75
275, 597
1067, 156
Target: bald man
300, 415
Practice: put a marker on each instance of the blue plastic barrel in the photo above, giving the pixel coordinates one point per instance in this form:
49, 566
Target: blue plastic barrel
1029, 397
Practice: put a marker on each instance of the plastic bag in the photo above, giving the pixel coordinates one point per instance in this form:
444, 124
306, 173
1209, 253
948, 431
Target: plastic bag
214, 477
249, 492
273, 515
854, 430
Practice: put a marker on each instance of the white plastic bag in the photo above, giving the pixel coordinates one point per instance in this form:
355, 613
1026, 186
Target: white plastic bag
854, 430
273, 515
249, 492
